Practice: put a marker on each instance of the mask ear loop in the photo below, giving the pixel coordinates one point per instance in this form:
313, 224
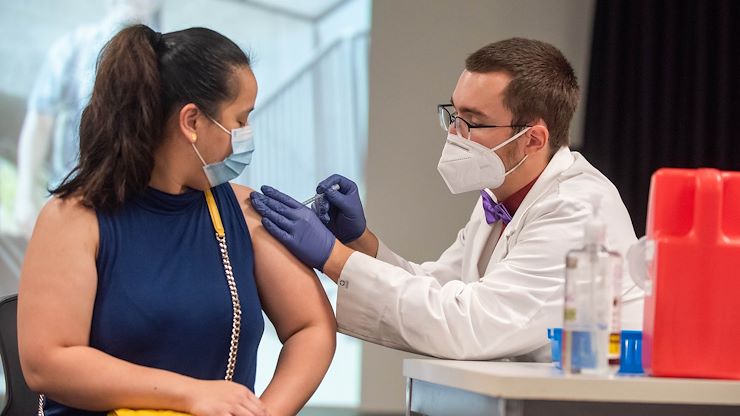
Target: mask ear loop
222, 127
193, 139
511, 139
517, 165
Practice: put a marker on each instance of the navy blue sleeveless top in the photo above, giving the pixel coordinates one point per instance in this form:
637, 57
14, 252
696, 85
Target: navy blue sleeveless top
162, 299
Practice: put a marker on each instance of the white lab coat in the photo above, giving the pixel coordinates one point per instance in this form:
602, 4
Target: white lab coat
448, 309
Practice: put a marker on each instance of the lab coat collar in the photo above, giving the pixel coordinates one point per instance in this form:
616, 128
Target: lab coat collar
560, 162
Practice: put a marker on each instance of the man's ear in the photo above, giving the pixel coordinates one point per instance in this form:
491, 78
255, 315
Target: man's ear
189, 118
537, 137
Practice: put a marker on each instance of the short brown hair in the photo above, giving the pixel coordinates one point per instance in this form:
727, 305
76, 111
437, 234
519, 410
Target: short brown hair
543, 83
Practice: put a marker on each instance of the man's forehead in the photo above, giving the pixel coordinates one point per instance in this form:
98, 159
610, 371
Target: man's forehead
480, 83
478, 92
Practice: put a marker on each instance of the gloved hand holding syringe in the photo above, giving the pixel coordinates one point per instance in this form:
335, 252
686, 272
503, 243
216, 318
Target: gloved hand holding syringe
310, 201
309, 233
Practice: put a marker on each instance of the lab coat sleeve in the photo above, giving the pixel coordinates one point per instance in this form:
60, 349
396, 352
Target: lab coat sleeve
447, 268
504, 314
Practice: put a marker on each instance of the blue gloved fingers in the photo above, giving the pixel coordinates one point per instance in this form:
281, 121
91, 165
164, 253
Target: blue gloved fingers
318, 203
345, 185
306, 238
338, 197
279, 196
257, 198
317, 210
258, 202
277, 206
346, 219
322, 211
275, 216
320, 206
327, 183
343, 202
281, 235
299, 229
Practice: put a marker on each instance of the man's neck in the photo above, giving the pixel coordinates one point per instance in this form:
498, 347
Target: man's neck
517, 180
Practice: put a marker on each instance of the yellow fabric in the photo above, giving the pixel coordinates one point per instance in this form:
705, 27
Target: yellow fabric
215, 216
129, 412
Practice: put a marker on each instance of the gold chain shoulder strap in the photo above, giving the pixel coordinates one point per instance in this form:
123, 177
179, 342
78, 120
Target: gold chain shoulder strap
236, 324
236, 305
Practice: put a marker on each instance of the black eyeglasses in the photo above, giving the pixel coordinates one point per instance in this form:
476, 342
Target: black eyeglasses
448, 117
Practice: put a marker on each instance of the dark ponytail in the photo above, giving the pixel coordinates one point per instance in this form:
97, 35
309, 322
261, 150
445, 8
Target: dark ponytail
142, 77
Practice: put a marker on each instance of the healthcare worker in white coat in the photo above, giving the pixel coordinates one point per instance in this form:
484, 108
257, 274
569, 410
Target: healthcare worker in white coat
494, 292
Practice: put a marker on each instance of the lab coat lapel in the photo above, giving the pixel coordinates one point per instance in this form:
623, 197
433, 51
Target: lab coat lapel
480, 237
560, 162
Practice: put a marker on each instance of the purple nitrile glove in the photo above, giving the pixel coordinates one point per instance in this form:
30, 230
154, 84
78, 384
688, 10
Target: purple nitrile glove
295, 226
341, 210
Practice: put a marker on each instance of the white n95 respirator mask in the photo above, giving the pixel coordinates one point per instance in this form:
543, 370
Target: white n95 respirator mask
469, 166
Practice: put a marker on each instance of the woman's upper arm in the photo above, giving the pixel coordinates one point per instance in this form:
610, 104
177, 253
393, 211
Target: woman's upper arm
58, 281
290, 292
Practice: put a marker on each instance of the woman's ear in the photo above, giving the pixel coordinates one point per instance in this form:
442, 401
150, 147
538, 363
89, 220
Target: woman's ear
188, 122
537, 137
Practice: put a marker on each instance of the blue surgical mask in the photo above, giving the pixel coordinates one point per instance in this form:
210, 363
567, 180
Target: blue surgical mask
242, 147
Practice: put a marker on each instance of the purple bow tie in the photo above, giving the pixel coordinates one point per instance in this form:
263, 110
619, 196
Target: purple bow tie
494, 211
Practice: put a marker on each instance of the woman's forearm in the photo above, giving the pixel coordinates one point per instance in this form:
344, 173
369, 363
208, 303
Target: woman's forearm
87, 378
302, 364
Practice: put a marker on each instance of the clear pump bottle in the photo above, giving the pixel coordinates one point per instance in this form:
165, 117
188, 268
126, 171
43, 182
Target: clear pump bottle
592, 307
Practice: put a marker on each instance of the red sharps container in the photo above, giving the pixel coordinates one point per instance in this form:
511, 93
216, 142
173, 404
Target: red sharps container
692, 303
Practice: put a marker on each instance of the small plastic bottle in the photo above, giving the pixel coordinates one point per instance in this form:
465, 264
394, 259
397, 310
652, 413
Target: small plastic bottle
592, 307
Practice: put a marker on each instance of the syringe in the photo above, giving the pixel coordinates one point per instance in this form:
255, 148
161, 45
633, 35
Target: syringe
309, 201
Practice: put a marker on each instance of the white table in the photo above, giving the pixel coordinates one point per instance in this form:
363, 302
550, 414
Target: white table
462, 388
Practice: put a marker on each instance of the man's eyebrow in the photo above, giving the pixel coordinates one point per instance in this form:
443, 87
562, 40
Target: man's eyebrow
470, 110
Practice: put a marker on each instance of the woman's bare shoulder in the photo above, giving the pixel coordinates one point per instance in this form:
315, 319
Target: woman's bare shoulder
65, 212
243, 195
66, 222
242, 192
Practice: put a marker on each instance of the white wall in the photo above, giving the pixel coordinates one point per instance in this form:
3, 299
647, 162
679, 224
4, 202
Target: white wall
418, 48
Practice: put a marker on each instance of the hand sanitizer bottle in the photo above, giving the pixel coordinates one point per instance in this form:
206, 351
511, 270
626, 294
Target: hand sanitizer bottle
592, 307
